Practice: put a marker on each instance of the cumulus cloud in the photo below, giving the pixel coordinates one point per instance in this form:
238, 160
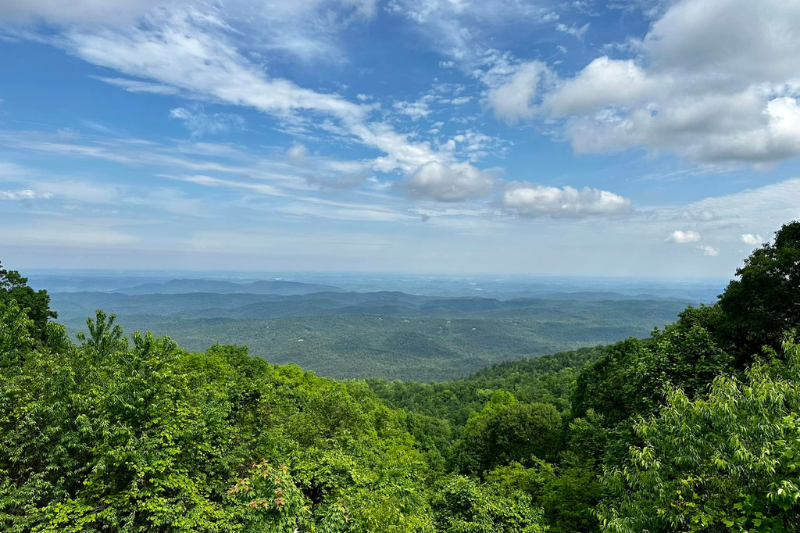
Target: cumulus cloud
514, 98
529, 200
751, 239
448, 183
682, 237
601, 81
709, 250
713, 80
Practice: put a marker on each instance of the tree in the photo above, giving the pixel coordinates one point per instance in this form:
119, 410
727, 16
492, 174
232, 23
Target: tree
15, 336
763, 303
104, 337
728, 462
607, 386
36, 304
506, 432
462, 505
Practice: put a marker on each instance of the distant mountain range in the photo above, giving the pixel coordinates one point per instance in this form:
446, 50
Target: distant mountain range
242, 305
186, 286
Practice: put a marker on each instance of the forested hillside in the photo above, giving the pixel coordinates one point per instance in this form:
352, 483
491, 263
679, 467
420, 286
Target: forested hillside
693, 429
390, 335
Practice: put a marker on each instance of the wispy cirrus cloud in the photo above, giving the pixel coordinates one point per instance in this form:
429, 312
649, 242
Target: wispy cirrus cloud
193, 54
200, 123
458, 29
24, 194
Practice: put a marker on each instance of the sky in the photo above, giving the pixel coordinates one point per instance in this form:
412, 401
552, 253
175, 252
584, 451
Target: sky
648, 138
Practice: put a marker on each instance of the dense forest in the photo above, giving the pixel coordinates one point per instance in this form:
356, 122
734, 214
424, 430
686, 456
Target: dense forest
379, 334
696, 428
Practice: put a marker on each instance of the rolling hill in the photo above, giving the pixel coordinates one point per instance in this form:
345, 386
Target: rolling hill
389, 335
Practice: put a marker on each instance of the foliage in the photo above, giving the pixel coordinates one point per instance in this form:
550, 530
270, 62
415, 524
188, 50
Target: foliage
143, 436
506, 431
547, 379
728, 462
762, 303
462, 505
633, 377
14, 287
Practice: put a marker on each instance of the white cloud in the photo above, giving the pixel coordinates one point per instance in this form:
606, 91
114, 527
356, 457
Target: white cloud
751, 239
415, 110
199, 123
448, 183
529, 200
739, 40
194, 53
190, 52
461, 100
709, 250
575, 31
764, 208
601, 81
714, 80
514, 98
24, 194
136, 86
307, 29
297, 154
209, 181
454, 26
682, 237
36, 185
59, 11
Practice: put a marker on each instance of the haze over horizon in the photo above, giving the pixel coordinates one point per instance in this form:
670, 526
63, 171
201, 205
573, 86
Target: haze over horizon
644, 138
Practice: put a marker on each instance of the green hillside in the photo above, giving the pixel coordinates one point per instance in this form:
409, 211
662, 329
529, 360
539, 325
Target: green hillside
382, 335
390, 347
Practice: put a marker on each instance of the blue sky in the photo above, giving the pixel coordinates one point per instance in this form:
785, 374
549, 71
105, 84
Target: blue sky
625, 137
